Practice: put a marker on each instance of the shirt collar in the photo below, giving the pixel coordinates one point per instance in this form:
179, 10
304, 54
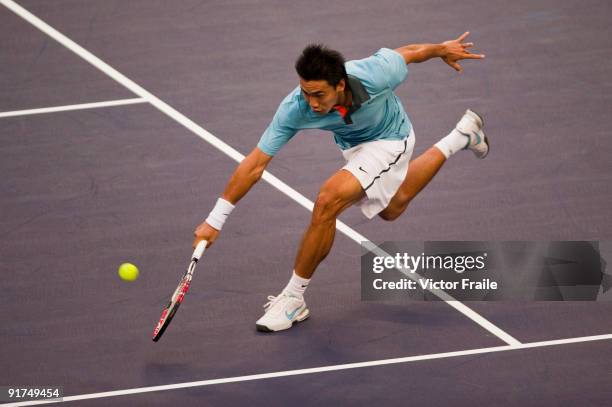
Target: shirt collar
359, 96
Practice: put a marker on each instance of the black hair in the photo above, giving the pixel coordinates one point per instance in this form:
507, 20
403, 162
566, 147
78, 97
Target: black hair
318, 62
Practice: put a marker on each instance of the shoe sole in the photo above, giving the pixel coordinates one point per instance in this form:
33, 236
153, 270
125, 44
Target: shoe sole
486, 139
479, 117
302, 317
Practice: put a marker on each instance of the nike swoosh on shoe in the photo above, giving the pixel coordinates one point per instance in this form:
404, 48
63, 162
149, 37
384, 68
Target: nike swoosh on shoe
290, 315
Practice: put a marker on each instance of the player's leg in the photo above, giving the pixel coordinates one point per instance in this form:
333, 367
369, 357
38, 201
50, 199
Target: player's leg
421, 170
467, 134
338, 193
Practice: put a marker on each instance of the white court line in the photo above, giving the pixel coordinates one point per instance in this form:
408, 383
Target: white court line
230, 151
322, 369
66, 108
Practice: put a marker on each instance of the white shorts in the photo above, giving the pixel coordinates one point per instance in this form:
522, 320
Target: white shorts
381, 167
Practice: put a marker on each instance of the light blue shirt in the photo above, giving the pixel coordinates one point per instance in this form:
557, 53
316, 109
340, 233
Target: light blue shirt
380, 117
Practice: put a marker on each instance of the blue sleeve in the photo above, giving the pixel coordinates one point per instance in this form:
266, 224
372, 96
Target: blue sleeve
384, 70
281, 129
393, 65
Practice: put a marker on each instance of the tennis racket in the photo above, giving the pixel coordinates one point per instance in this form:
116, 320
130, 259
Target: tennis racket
179, 294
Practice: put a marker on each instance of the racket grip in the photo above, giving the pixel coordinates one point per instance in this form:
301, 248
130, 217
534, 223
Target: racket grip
199, 250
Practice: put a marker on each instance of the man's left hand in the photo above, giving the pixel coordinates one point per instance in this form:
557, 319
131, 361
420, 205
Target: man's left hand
456, 50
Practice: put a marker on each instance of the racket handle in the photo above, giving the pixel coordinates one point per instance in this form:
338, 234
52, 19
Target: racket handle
199, 250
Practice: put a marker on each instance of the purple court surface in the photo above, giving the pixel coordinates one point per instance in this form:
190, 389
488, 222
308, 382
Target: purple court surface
87, 187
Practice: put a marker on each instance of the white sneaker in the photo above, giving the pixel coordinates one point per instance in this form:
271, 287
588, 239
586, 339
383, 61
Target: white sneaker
470, 126
281, 312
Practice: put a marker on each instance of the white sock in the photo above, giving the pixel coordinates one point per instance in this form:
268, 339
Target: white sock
452, 143
296, 286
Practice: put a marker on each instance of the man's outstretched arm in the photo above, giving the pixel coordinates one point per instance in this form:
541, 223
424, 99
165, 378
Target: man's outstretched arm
450, 52
248, 172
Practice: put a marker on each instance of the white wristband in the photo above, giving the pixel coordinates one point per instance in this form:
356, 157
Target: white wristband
219, 214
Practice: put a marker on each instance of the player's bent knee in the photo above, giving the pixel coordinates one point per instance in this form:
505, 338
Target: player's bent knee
326, 207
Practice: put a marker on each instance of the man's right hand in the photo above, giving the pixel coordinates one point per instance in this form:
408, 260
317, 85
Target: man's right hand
248, 172
205, 232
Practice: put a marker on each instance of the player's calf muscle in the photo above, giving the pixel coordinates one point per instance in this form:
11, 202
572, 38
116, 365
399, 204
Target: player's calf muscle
397, 206
390, 214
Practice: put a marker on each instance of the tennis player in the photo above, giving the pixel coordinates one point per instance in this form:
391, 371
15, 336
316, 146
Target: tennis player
355, 101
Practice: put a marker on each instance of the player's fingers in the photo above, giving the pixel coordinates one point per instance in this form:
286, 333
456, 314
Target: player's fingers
196, 241
473, 56
463, 36
468, 44
454, 65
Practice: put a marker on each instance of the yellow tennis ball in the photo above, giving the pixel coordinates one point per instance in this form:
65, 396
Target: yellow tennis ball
128, 272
